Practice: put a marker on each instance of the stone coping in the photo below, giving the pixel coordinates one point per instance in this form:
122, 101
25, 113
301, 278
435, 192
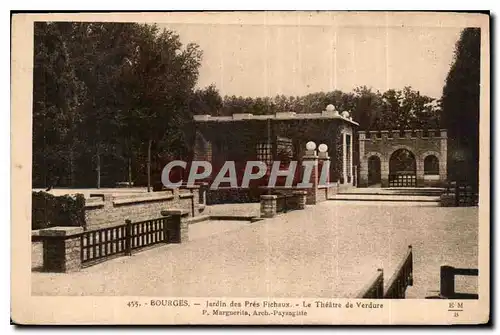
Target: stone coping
186, 195
60, 231
268, 196
127, 200
94, 202
181, 212
276, 116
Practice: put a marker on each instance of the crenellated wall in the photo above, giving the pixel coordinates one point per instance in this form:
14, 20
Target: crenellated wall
420, 142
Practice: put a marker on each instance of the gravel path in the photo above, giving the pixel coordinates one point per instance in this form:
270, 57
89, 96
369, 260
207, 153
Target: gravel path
327, 250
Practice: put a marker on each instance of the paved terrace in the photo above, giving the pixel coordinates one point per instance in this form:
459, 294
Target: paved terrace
327, 250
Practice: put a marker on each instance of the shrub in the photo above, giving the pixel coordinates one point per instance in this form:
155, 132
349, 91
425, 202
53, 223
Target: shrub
51, 211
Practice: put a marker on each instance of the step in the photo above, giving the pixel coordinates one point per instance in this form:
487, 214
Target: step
385, 197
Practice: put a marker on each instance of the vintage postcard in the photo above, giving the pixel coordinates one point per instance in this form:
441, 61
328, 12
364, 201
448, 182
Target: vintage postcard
251, 168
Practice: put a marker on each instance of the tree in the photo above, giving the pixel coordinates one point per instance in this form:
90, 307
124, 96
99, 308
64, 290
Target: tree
460, 104
57, 100
102, 91
206, 101
164, 75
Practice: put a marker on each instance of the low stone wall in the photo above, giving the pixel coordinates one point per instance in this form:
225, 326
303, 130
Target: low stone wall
102, 210
272, 204
232, 195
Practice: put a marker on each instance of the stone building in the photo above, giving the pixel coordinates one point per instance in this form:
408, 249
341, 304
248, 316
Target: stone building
279, 137
409, 158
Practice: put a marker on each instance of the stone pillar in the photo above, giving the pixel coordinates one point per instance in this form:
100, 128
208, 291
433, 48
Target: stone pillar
408, 133
312, 192
301, 197
351, 145
61, 249
443, 165
384, 172
177, 225
344, 159
395, 133
385, 135
355, 176
323, 168
268, 204
420, 171
363, 164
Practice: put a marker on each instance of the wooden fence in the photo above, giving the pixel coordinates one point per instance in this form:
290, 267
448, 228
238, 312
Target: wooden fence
447, 282
396, 289
465, 195
374, 289
103, 244
402, 278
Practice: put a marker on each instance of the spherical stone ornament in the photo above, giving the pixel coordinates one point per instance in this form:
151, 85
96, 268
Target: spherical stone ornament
345, 114
323, 147
311, 146
330, 108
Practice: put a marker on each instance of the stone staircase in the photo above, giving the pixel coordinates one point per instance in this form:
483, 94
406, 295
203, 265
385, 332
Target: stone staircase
422, 195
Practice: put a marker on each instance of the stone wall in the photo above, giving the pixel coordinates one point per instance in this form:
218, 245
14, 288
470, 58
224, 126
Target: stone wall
421, 143
110, 210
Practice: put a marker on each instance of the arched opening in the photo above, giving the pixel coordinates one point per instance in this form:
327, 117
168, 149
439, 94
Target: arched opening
402, 169
431, 170
431, 165
374, 172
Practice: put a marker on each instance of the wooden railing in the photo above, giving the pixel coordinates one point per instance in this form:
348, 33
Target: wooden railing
408, 179
102, 244
396, 289
447, 282
374, 289
465, 195
402, 278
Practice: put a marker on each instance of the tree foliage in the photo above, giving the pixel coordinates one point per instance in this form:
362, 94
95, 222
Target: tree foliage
103, 94
393, 109
460, 103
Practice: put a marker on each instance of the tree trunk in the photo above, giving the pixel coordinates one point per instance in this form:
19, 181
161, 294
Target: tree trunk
149, 165
129, 172
71, 167
98, 168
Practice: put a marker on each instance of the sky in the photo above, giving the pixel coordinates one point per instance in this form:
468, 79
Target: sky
254, 60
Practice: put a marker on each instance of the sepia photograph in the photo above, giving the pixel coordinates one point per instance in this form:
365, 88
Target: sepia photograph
252, 167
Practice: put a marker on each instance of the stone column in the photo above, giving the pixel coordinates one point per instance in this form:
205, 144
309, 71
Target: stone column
363, 164
301, 197
443, 165
355, 176
384, 172
323, 168
312, 192
61, 249
344, 159
268, 204
420, 171
352, 159
177, 225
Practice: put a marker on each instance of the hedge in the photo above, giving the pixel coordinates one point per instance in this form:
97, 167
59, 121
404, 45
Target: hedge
48, 210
